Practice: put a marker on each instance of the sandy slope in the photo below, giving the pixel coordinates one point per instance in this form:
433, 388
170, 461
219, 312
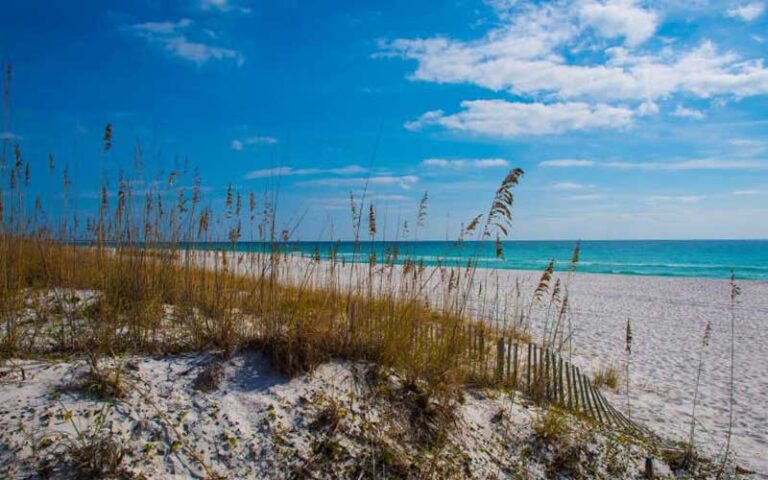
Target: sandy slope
668, 318
258, 424
668, 321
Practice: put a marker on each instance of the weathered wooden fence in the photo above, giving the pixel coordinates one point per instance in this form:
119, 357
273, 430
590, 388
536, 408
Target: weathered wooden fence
543, 374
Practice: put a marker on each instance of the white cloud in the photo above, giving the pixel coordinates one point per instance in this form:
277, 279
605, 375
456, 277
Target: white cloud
684, 165
200, 53
620, 18
684, 112
290, 171
747, 147
747, 12
675, 198
388, 198
566, 186
675, 166
745, 192
748, 143
567, 162
648, 107
406, 182
585, 197
500, 118
239, 145
532, 55
174, 39
502, 7
215, 4
272, 172
161, 28
466, 163
222, 6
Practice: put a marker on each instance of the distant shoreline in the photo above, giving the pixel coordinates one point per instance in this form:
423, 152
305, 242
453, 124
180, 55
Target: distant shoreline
707, 259
684, 259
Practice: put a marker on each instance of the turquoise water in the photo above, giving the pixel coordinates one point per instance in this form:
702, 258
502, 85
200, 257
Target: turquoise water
673, 258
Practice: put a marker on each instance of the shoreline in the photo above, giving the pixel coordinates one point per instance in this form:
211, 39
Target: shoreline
678, 259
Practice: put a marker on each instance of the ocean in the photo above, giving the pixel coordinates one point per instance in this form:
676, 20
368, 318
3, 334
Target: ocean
748, 259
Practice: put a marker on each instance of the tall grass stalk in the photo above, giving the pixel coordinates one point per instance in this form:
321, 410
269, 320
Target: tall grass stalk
735, 291
152, 265
704, 344
628, 350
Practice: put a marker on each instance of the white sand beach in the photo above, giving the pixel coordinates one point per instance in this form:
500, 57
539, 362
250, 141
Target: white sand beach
668, 317
255, 424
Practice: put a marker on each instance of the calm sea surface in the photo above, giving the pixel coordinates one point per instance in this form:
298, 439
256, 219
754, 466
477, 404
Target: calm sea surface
674, 258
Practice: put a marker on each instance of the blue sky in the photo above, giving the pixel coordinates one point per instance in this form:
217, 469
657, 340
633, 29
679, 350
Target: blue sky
631, 119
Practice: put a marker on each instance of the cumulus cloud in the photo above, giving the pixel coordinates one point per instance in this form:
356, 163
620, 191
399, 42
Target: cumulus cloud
747, 12
174, 39
620, 18
239, 145
290, 171
532, 55
466, 163
500, 118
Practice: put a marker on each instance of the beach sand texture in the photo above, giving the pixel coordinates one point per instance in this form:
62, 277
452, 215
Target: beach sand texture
668, 318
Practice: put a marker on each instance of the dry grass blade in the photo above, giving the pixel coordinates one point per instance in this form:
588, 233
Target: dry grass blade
422, 215
107, 145
543, 287
371, 221
500, 213
575, 257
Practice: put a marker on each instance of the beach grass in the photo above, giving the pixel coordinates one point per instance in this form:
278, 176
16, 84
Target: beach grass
125, 278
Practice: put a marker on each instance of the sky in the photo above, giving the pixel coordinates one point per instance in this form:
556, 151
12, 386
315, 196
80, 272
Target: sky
632, 119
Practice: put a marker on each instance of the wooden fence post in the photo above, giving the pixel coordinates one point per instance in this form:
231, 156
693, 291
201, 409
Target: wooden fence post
500, 359
547, 376
585, 394
514, 367
560, 380
528, 368
594, 400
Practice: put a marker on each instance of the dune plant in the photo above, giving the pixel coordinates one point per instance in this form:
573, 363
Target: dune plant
704, 344
166, 270
735, 292
628, 350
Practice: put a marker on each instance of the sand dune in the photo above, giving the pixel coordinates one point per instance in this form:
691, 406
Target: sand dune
668, 318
